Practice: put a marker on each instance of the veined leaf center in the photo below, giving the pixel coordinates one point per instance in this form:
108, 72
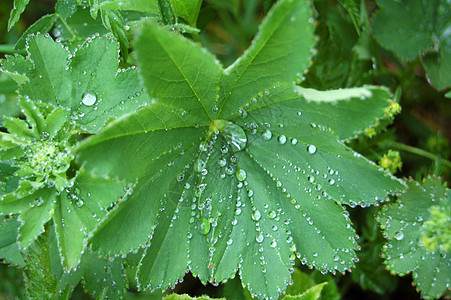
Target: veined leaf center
234, 134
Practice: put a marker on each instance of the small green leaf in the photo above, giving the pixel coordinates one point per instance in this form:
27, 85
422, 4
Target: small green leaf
103, 277
187, 9
312, 293
413, 244
9, 248
186, 297
66, 8
86, 81
18, 9
137, 5
438, 65
43, 25
415, 28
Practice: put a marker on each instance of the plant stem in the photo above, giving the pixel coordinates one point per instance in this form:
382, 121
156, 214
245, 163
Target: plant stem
417, 151
9, 49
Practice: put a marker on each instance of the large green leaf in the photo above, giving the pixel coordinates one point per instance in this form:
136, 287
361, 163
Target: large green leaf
249, 192
413, 28
418, 229
86, 81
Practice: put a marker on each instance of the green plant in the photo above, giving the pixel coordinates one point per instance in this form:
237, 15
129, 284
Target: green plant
136, 156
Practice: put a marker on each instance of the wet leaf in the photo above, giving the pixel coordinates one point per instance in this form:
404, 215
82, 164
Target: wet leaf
64, 78
417, 228
417, 28
235, 168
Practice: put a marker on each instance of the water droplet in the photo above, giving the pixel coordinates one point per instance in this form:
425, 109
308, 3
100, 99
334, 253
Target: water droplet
294, 141
222, 162
315, 254
272, 214
259, 238
89, 99
274, 244
267, 135
204, 226
399, 235
199, 165
250, 193
331, 181
235, 135
282, 139
256, 215
229, 242
311, 179
311, 149
241, 175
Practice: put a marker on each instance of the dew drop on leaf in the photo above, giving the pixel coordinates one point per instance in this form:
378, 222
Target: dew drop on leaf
89, 99
222, 162
241, 175
259, 238
204, 226
311, 149
267, 135
272, 214
235, 135
282, 139
256, 215
399, 235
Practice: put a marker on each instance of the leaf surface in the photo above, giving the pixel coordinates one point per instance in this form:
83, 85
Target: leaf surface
217, 196
404, 225
274, 48
18, 9
9, 249
87, 81
413, 28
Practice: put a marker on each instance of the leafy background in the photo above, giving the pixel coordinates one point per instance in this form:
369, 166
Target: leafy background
346, 56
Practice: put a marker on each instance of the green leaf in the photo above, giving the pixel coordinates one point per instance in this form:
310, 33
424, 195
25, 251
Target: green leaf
438, 65
186, 297
413, 28
245, 193
187, 84
348, 112
411, 247
86, 81
188, 10
18, 9
353, 11
283, 45
9, 249
43, 25
77, 214
113, 20
103, 274
312, 293
66, 8
137, 5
